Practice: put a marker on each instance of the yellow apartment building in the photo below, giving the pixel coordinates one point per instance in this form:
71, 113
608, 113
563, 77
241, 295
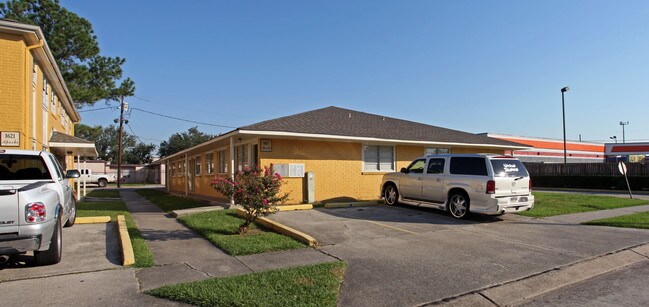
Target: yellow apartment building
325, 155
37, 112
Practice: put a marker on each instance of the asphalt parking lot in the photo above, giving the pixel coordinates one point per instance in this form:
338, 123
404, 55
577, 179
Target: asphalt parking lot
89, 274
86, 248
413, 256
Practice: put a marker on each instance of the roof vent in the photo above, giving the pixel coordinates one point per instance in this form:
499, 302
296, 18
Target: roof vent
350, 115
383, 118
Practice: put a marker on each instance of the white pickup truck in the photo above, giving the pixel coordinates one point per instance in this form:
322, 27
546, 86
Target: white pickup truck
36, 200
101, 179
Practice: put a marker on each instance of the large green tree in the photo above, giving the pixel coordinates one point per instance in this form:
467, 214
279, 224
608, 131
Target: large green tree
107, 143
90, 77
181, 141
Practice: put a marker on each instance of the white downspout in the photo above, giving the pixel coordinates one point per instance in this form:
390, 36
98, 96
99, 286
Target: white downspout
78, 181
186, 176
85, 180
231, 164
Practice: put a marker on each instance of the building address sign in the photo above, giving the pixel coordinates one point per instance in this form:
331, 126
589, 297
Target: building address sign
10, 138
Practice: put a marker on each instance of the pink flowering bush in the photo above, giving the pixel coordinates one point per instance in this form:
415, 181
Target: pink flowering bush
255, 190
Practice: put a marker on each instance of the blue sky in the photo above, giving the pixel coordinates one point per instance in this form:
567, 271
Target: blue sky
476, 66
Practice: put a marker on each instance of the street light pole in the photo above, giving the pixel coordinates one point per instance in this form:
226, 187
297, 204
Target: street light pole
614, 138
563, 111
623, 124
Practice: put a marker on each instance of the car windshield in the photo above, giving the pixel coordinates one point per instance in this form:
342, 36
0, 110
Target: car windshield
508, 168
22, 167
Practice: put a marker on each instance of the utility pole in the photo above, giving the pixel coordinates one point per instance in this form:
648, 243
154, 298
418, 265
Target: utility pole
121, 129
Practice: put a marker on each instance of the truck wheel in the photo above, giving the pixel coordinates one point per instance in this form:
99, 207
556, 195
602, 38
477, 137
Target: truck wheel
73, 214
458, 205
53, 254
391, 195
103, 182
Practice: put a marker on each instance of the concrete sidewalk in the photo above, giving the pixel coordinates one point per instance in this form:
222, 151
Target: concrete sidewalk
182, 255
578, 218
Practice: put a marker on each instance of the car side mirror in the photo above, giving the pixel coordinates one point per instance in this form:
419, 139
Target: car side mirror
73, 173
404, 170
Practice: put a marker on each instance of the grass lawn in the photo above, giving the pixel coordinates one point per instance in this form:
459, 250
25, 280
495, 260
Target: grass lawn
104, 193
168, 202
550, 204
313, 285
220, 227
143, 255
638, 220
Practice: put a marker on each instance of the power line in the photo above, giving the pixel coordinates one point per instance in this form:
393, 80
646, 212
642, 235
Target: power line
185, 108
141, 138
91, 110
182, 119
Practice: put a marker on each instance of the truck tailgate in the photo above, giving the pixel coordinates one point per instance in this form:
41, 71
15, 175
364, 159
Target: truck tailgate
9, 209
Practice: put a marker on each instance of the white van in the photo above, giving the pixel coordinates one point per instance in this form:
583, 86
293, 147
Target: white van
462, 184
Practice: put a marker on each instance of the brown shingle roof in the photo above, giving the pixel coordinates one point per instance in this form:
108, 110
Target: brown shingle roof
344, 122
58, 137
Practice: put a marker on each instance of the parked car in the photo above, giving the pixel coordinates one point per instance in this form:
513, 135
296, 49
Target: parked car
462, 184
36, 200
101, 179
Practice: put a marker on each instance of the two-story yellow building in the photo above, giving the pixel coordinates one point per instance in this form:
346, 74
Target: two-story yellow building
325, 155
36, 110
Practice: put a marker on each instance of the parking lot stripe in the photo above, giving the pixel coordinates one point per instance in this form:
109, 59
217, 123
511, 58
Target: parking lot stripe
392, 227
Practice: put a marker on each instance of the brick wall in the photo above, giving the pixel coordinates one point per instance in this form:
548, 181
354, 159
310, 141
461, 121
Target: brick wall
12, 78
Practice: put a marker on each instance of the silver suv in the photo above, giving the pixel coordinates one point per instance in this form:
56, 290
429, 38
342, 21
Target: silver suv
462, 183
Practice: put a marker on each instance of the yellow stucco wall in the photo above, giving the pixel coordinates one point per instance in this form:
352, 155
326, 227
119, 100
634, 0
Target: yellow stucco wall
337, 166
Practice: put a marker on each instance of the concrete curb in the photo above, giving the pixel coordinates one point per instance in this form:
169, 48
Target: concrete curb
294, 207
93, 220
519, 291
177, 213
283, 229
128, 257
351, 204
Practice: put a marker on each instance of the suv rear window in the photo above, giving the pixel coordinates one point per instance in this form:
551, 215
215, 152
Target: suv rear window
22, 167
468, 166
508, 168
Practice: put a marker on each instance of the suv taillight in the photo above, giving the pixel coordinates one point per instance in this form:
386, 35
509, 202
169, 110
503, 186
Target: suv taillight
35, 212
491, 187
530, 185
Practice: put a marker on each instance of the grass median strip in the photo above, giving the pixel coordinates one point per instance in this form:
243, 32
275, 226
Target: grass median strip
168, 202
551, 204
313, 285
143, 255
220, 228
637, 220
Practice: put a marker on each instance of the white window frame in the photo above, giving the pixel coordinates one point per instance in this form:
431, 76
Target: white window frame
221, 155
436, 150
209, 164
198, 165
394, 159
46, 102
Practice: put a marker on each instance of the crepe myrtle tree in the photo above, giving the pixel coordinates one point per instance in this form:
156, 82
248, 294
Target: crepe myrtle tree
257, 191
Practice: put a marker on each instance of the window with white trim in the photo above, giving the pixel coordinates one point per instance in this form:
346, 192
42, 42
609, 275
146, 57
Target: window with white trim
223, 163
241, 157
45, 94
209, 163
378, 158
198, 165
435, 151
53, 98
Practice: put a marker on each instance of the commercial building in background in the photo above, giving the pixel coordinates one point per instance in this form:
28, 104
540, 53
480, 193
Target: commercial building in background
631, 152
329, 154
551, 150
37, 110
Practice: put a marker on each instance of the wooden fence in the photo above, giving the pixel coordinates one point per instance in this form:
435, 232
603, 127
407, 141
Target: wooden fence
585, 169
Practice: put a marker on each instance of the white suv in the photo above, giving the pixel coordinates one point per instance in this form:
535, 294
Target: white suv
462, 183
